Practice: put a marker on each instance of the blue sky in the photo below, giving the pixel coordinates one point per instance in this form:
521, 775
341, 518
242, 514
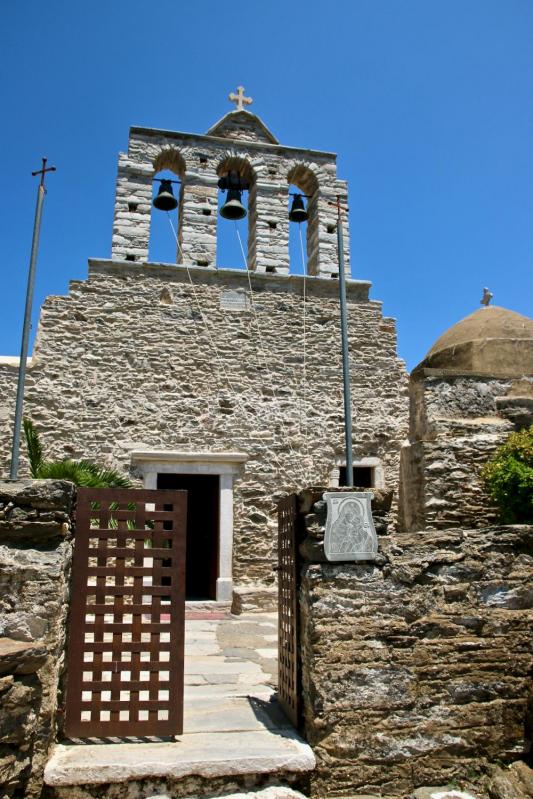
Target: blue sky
429, 104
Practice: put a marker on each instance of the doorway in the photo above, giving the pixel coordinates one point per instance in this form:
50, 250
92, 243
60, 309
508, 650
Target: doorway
202, 531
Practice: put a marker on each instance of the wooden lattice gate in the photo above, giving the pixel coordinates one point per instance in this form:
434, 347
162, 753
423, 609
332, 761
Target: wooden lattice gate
288, 660
127, 615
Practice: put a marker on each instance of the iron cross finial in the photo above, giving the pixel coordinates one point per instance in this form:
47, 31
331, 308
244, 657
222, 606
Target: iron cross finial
44, 169
239, 99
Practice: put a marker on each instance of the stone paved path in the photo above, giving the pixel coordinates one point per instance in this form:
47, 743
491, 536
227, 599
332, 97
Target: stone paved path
232, 725
230, 674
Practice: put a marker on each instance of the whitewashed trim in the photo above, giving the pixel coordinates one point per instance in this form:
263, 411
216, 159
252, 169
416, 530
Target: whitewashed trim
223, 464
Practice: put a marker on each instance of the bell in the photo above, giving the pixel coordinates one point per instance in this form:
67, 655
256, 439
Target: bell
165, 200
298, 212
233, 208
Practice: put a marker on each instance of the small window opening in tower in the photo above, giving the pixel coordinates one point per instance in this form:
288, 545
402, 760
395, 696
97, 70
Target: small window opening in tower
297, 236
232, 235
163, 247
363, 476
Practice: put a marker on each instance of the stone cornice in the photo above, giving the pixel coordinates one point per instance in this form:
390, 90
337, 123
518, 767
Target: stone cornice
356, 290
235, 143
176, 456
421, 372
14, 360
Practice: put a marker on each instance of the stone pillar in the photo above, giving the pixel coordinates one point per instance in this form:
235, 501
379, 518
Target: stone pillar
313, 235
342, 188
225, 555
322, 233
268, 238
131, 227
198, 220
35, 554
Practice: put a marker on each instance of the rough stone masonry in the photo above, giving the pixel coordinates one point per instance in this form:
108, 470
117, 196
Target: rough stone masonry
35, 555
416, 669
125, 362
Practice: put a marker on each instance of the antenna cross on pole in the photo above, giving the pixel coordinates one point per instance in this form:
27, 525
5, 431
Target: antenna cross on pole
344, 345
239, 99
42, 172
17, 426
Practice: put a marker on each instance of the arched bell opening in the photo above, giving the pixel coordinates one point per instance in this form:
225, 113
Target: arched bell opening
303, 217
298, 218
236, 219
167, 204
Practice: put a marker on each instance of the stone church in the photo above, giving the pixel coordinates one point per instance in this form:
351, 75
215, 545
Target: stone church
406, 670
228, 382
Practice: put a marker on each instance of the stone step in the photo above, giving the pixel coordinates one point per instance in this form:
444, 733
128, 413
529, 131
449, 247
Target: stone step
256, 754
209, 609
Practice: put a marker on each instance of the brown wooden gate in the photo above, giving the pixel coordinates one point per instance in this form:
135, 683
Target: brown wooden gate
288, 573
127, 615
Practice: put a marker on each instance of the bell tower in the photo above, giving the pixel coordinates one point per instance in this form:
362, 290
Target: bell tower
238, 153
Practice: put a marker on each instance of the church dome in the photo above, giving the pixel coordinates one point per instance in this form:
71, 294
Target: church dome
491, 341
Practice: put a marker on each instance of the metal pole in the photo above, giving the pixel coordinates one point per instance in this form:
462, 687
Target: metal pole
345, 352
13, 473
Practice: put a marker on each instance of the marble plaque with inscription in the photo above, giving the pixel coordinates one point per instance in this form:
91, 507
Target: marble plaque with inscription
350, 532
234, 300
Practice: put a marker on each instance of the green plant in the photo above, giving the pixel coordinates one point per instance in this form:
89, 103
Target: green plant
508, 478
33, 444
82, 472
112, 522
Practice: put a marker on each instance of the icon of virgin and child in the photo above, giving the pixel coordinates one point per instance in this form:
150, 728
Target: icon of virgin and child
349, 532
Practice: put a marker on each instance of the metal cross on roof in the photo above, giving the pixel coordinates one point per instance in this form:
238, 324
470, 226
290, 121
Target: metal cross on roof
239, 99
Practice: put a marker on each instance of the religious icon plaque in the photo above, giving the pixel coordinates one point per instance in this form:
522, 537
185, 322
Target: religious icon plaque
350, 532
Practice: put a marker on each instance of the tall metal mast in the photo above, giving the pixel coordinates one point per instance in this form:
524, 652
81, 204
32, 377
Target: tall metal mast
345, 351
27, 320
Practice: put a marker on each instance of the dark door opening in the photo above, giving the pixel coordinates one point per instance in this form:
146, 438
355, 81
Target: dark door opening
202, 531
363, 476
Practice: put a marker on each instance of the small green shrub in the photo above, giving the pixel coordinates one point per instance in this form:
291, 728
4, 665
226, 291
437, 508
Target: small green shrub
82, 473
508, 478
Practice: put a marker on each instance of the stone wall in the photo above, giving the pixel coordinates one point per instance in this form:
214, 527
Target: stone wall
137, 358
456, 423
35, 553
416, 668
